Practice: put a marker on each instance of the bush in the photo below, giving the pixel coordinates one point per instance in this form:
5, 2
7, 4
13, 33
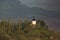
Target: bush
24, 31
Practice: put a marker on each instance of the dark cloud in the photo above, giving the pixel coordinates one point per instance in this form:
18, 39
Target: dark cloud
45, 4
54, 4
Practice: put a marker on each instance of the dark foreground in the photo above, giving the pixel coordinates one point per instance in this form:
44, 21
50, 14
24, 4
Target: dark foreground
24, 30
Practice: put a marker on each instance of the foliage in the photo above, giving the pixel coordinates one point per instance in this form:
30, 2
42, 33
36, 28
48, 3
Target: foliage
23, 30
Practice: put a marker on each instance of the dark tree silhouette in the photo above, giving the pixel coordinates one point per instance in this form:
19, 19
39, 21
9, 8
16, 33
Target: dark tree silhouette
42, 23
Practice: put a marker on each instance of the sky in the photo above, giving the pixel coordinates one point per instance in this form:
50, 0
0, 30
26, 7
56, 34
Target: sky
45, 4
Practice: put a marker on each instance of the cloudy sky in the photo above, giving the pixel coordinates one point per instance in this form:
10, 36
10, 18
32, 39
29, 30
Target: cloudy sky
46, 4
14, 9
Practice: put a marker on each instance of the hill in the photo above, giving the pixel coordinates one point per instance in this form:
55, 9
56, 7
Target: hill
23, 30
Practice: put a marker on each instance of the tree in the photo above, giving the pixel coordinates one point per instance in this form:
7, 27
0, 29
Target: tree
42, 23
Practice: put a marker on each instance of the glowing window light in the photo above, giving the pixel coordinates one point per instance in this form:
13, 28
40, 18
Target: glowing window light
34, 22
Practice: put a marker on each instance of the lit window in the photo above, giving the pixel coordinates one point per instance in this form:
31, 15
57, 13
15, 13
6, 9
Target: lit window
34, 22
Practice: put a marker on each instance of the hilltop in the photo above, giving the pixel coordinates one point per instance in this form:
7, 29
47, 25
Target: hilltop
23, 30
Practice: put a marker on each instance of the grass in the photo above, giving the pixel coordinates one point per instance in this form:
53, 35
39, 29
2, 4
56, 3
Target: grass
25, 31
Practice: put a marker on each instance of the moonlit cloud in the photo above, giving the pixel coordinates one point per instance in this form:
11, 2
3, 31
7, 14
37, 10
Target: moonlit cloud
45, 4
35, 3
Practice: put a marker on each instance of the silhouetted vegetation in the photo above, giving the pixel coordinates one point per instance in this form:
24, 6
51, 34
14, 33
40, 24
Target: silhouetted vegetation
23, 30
